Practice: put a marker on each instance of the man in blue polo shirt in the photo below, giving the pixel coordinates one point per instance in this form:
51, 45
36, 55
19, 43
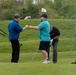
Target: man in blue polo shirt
44, 35
14, 30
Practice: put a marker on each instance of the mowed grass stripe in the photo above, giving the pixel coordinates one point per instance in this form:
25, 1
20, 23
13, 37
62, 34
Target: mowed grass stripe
25, 67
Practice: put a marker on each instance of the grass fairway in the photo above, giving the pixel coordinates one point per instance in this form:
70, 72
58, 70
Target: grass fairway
25, 67
30, 40
37, 69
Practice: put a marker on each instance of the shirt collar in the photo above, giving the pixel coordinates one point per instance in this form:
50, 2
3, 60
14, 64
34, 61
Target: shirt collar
15, 20
44, 20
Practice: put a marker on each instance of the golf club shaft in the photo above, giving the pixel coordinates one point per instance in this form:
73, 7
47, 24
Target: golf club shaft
34, 56
3, 31
74, 41
2, 34
75, 37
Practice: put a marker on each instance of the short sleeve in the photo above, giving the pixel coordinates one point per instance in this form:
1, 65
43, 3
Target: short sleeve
57, 32
41, 25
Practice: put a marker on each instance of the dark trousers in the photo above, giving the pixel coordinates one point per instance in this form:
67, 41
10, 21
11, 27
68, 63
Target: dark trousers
15, 51
54, 44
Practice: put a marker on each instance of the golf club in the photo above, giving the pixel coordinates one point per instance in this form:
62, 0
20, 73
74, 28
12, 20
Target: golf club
75, 35
34, 56
74, 41
2, 34
3, 31
74, 62
20, 44
5, 34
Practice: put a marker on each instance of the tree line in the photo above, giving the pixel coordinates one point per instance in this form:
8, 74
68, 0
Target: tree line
60, 9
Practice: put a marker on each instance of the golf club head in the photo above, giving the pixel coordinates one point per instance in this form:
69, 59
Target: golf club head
74, 62
21, 44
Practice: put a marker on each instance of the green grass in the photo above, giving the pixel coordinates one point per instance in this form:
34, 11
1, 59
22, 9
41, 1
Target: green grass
30, 38
37, 69
30, 41
25, 67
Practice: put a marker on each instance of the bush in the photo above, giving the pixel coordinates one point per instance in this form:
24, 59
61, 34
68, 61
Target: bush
8, 14
32, 10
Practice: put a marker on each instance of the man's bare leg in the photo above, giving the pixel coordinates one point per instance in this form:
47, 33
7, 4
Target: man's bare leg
45, 54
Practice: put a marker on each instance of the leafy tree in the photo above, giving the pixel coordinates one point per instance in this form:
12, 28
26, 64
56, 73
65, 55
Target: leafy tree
7, 4
10, 3
9, 14
58, 9
30, 11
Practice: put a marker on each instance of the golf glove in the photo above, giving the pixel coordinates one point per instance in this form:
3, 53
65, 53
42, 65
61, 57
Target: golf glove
51, 41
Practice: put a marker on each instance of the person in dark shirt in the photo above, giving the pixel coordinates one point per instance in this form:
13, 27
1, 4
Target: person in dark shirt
14, 29
54, 35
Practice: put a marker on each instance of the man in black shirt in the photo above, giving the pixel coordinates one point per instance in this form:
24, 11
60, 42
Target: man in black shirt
54, 35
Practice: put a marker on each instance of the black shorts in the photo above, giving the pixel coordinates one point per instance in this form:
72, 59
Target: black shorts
44, 45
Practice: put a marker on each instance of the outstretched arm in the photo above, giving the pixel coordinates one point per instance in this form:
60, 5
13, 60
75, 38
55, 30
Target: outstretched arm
25, 27
34, 27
